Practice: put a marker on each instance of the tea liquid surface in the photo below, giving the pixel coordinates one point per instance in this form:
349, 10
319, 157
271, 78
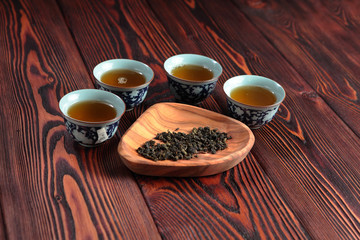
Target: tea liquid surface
253, 95
92, 111
123, 78
192, 72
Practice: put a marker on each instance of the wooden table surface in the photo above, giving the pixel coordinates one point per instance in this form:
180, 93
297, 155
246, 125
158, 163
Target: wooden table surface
301, 179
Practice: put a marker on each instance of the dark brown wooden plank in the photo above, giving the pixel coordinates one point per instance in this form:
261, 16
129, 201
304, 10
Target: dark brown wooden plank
2, 222
242, 203
319, 39
51, 188
303, 150
113, 30
168, 205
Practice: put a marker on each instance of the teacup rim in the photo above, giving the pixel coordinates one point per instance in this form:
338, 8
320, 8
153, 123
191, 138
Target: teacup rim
98, 79
277, 103
88, 123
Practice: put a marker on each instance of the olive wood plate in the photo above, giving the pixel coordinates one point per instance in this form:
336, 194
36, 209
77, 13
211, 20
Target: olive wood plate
170, 116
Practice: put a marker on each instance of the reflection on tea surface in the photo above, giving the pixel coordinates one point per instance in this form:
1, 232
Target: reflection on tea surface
192, 72
123, 78
253, 95
92, 111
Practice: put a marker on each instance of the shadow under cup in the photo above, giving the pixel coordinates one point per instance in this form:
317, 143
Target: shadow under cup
253, 116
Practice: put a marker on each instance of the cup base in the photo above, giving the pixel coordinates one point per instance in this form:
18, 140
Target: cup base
254, 128
189, 103
90, 145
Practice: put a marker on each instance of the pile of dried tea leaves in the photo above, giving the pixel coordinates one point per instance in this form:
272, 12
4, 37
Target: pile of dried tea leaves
179, 145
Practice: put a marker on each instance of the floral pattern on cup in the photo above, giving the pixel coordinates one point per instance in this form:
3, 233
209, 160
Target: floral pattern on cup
192, 94
87, 133
191, 91
131, 98
251, 117
91, 136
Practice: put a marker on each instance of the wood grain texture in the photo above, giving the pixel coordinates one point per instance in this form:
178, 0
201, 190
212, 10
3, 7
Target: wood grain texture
301, 180
312, 136
163, 117
318, 137
242, 203
3, 226
128, 29
51, 188
319, 39
121, 15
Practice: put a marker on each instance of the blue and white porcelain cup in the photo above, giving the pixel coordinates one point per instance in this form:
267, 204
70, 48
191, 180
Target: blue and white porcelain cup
132, 96
187, 91
253, 116
91, 134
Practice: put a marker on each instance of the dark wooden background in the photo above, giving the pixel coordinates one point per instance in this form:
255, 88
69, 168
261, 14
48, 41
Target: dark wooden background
301, 179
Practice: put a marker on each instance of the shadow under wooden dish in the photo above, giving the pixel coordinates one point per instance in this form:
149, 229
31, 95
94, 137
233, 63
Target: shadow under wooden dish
170, 116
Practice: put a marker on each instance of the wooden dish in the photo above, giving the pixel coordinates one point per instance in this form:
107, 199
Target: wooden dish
170, 116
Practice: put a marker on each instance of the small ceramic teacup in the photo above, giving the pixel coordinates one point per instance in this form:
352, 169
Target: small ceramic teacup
132, 96
253, 116
187, 90
91, 134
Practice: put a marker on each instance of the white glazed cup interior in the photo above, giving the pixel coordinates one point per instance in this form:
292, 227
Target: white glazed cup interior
254, 80
193, 59
129, 64
92, 94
